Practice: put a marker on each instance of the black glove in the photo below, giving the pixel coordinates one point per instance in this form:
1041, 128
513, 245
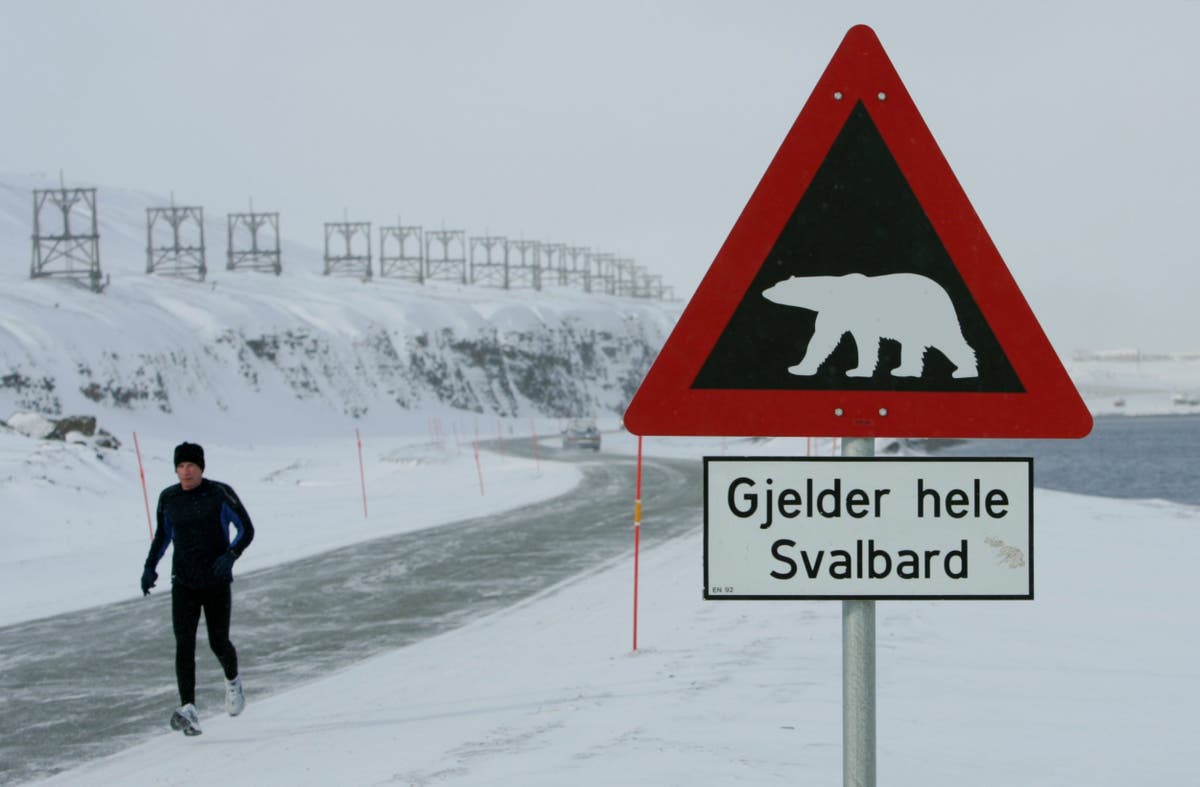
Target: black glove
149, 577
223, 567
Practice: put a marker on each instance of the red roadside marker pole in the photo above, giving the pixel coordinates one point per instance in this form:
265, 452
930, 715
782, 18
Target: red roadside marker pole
537, 460
478, 466
142, 474
362, 476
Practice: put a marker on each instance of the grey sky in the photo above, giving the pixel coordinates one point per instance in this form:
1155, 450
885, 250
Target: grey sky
639, 128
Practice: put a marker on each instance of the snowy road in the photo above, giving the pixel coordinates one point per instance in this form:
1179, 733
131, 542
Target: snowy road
80, 685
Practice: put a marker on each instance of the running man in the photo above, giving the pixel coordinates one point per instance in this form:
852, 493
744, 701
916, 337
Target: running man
196, 514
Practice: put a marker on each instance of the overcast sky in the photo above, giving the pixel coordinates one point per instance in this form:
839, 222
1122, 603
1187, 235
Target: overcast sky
634, 127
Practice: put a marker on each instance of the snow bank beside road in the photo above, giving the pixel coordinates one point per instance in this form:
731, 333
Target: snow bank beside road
1088, 684
75, 532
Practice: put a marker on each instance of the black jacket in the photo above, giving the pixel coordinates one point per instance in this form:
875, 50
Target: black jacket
198, 522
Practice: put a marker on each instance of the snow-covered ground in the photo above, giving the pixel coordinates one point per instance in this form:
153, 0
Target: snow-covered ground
1092, 683
73, 511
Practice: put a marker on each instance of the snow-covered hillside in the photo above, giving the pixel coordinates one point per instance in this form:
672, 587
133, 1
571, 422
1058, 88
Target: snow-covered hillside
312, 347
152, 346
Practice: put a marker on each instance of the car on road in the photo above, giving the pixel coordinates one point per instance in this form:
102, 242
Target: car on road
581, 433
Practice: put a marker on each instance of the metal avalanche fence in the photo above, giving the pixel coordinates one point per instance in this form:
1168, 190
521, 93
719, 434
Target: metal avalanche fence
67, 239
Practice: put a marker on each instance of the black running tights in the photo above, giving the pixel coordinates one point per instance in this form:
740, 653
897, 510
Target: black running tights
186, 605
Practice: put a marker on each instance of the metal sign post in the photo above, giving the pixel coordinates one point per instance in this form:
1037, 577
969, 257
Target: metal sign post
861, 528
858, 670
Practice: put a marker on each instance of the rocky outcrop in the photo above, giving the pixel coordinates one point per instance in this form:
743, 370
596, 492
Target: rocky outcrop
71, 428
557, 369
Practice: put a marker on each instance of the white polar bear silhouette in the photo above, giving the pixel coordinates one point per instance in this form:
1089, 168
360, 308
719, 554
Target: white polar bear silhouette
907, 307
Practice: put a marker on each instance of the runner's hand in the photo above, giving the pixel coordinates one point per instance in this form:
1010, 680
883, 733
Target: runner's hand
223, 567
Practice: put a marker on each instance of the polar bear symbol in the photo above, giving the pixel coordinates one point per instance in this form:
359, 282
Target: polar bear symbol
907, 307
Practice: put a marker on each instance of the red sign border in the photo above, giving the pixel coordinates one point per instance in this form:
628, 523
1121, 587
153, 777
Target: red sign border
665, 404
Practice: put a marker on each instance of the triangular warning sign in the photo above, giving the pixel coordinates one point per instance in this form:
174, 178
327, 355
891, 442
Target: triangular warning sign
858, 294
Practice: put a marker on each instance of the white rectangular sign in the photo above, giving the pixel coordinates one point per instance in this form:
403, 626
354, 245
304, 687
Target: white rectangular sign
875, 528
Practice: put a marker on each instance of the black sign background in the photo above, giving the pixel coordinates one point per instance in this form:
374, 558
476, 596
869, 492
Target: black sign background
859, 215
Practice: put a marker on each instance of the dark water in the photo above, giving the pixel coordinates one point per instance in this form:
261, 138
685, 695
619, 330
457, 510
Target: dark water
1133, 457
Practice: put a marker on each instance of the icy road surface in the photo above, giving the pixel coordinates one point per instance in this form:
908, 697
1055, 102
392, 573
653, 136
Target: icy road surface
84, 684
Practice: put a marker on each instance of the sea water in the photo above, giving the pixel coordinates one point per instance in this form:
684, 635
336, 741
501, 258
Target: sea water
1145, 457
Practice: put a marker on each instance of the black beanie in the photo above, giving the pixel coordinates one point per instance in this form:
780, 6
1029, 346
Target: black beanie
189, 452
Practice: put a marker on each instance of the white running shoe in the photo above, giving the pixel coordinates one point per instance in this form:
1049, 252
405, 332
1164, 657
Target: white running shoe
186, 719
235, 699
